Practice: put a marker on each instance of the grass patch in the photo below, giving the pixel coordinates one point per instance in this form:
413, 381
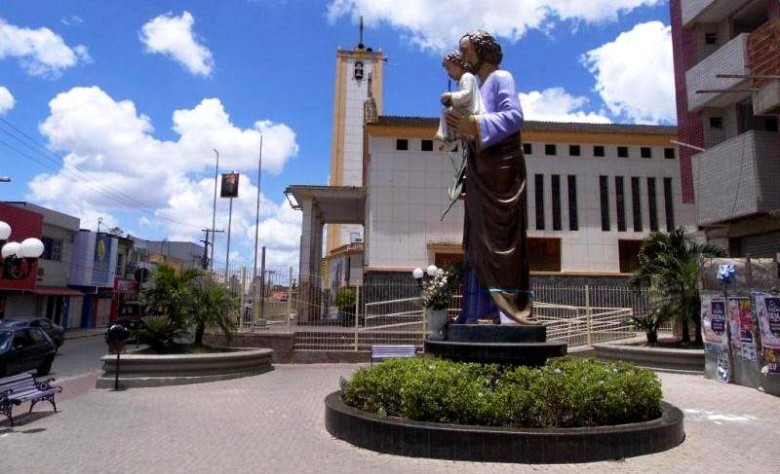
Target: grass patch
567, 392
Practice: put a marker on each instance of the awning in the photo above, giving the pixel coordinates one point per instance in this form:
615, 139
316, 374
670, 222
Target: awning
55, 291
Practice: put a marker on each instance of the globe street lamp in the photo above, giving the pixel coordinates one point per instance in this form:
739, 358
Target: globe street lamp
18, 258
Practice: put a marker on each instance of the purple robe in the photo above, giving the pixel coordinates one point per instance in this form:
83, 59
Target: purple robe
494, 237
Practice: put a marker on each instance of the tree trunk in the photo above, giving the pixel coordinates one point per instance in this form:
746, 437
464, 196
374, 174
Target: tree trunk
652, 337
199, 330
686, 332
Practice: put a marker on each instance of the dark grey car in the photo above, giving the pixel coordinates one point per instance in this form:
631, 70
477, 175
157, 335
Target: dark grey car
23, 349
54, 331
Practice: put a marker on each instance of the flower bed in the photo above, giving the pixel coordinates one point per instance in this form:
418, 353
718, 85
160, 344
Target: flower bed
564, 393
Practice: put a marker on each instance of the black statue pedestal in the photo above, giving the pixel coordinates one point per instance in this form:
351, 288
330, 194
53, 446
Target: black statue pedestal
494, 344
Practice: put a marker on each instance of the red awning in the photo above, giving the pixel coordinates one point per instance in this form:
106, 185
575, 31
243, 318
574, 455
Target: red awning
55, 291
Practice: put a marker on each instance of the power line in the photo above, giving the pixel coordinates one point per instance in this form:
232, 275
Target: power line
57, 164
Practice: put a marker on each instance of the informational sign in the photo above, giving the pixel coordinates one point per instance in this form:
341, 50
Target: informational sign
713, 318
229, 187
767, 311
714, 333
740, 320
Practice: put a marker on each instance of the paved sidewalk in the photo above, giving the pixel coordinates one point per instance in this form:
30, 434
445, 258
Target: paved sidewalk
274, 423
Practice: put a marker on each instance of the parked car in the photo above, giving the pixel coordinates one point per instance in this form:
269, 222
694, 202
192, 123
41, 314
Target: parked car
25, 348
54, 331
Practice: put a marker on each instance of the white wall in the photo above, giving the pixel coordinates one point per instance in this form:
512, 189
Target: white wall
407, 194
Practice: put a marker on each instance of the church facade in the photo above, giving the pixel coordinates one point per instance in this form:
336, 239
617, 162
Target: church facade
595, 191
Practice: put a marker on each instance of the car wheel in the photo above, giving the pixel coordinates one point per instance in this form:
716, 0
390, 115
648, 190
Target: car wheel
45, 367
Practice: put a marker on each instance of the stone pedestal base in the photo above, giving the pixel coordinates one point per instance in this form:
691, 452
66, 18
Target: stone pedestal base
493, 344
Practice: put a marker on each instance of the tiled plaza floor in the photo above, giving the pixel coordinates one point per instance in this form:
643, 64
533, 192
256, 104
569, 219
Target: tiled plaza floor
274, 423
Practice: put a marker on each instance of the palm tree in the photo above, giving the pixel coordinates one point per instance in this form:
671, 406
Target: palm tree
669, 269
170, 293
211, 306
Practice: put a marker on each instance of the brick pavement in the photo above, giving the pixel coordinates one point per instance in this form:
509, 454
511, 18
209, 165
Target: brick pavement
274, 423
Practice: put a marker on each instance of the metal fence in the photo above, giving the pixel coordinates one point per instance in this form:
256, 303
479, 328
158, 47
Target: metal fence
353, 319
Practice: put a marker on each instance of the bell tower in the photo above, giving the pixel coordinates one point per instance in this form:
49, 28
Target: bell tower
358, 78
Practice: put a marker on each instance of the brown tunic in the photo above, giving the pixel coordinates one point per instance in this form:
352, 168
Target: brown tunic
494, 235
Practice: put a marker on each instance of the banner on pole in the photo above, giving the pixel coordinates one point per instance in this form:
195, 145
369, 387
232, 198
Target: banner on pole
229, 188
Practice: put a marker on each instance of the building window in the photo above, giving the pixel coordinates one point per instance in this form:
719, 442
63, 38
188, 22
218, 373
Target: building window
711, 38
574, 223
402, 144
550, 150
669, 153
544, 255
528, 149
636, 204
622, 152
604, 192
120, 259
716, 122
668, 204
556, 201
426, 145
52, 249
620, 204
598, 151
539, 194
574, 150
652, 204
629, 255
771, 124
646, 152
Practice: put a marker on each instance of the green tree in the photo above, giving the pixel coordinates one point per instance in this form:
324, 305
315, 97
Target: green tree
170, 294
211, 306
669, 270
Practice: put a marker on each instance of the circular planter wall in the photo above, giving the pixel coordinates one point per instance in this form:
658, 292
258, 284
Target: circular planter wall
494, 444
152, 370
688, 360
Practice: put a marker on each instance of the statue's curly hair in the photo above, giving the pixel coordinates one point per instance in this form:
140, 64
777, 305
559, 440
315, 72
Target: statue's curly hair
455, 58
485, 46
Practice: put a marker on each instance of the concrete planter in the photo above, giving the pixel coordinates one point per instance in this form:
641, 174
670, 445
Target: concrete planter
152, 370
688, 360
495, 444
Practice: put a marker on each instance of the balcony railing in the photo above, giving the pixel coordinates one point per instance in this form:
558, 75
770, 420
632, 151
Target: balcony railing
706, 89
738, 177
709, 11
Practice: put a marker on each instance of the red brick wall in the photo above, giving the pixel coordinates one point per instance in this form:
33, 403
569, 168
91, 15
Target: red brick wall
689, 126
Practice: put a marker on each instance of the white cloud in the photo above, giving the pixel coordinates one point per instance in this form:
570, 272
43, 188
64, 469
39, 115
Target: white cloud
72, 20
557, 105
438, 24
7, 100
114, 163
635, 73
172, 36
40, 52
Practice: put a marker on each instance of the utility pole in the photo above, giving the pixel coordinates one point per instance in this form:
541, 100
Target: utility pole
214, 209
205, 261
257, 231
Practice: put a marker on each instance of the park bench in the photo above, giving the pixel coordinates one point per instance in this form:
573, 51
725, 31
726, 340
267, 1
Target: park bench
24, 388
388, 351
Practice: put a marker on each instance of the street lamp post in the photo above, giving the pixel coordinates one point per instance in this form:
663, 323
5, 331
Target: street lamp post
18, 258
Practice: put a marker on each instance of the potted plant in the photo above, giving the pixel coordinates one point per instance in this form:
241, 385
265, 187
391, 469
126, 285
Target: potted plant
436, 293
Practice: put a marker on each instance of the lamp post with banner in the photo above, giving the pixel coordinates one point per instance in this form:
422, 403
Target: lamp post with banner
229, 190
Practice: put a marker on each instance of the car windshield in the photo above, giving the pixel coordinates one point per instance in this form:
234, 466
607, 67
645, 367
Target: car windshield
5, 340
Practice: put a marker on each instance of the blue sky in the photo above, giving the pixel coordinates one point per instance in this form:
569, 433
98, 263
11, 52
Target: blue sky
111, 109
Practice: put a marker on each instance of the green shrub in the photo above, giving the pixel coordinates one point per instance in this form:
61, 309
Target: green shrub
566, 392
